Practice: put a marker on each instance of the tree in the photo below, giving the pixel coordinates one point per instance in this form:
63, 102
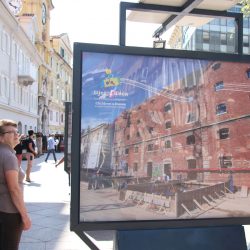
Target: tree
245, 9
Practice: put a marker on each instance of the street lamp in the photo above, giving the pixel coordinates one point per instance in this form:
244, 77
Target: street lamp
159, 43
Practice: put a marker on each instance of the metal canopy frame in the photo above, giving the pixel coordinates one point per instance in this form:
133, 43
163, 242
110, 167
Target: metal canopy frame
177, 12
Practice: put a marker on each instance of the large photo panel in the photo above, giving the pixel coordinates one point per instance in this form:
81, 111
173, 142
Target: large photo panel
163, 138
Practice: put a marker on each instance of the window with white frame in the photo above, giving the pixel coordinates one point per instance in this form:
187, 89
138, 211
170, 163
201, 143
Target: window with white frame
62, 52
51, 115
52, 88
57, 92
63, 95
5, 87
8, 44
4, 41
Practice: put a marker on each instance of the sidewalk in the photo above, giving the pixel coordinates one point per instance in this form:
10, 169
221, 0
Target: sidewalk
47, 199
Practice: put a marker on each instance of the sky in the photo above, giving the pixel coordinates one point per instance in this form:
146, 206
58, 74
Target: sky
96, 21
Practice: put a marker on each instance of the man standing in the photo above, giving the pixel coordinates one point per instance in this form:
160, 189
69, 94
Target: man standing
51, 147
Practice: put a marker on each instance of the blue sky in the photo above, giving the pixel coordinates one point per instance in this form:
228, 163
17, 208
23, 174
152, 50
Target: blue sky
136, 82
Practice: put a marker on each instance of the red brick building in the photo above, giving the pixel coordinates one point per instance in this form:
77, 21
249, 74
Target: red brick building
198, 128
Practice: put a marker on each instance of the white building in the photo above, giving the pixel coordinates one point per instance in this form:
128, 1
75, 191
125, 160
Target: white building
19, 63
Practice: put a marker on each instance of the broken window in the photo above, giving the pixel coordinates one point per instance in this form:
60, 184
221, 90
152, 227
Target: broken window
167, 107
135, 167
221, 108
168, 125
225, 161
168, 144
190, 139
223, 133
150, 147
218, 86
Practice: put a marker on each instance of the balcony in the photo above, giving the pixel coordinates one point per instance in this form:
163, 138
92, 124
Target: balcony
25, 80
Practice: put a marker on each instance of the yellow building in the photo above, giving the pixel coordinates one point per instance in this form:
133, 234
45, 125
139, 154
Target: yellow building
55, 72
60, 89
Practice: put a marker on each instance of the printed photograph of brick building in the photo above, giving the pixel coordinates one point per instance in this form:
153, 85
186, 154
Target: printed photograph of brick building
177, 138
208, 133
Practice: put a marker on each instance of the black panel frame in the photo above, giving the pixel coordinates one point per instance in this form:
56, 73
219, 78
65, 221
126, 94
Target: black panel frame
75, 223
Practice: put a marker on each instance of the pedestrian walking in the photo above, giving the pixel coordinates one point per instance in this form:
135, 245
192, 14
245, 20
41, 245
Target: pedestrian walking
13, 213
29, 146
51, 147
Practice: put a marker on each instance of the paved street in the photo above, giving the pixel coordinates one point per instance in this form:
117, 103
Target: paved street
48, 203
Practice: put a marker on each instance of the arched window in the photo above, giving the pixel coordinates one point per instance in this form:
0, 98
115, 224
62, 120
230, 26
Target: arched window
168, 124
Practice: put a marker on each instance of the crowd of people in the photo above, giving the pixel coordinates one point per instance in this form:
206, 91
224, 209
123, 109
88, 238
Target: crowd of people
13, 149
34, 145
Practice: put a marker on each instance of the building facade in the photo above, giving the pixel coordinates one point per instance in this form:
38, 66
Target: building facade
218, 35
36, 79
96, 146
60, 89
18, 69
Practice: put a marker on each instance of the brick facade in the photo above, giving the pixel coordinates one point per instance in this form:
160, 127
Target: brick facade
192, 130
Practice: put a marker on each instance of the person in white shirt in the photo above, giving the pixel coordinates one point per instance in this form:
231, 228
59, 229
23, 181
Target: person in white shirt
51, 147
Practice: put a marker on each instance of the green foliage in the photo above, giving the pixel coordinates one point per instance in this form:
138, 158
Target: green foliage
245, 9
